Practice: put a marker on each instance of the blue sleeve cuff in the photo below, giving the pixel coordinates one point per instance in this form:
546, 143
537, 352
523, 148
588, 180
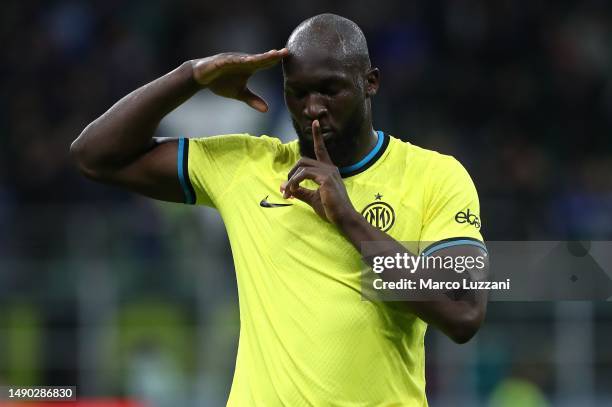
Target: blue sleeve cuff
455, 241
183, 170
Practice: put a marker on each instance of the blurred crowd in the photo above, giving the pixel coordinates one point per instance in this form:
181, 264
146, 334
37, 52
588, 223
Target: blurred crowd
520, 92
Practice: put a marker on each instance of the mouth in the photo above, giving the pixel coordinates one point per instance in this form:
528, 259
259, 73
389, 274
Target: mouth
328, 136
326, 132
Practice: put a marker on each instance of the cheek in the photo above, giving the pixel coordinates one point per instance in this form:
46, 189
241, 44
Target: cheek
347, 107
292, 105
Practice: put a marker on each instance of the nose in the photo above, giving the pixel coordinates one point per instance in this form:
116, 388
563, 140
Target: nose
314, 106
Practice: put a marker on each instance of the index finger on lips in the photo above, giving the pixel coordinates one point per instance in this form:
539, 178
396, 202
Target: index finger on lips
319, 144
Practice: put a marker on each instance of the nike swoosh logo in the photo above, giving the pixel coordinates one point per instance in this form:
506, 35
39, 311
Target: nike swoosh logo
265, 204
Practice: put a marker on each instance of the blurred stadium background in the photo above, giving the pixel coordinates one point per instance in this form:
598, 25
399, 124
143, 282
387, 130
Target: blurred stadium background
129, 298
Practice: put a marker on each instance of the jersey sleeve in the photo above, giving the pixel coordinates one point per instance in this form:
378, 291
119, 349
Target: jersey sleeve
452, 210
208, 166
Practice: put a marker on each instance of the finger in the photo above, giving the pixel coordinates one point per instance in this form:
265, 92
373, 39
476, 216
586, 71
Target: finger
303, 173
266, 59
253, 100
302, 162
266, 63
305, 195
273, 53
319, 144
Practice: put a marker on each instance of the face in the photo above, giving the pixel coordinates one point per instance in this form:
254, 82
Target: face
321, 87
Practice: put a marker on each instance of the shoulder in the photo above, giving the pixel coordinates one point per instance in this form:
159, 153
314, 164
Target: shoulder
439, 176
425, 161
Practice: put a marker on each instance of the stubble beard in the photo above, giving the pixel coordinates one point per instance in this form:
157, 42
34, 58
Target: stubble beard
341, 147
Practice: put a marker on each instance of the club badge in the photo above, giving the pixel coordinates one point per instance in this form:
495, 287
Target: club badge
379, 214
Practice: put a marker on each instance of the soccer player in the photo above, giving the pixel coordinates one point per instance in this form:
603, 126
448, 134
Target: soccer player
296, 215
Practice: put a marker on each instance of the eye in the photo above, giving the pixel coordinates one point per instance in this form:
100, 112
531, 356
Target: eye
333, 91
330, 89
294, 92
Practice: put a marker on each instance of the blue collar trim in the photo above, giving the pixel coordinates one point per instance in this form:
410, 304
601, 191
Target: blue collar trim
365, 160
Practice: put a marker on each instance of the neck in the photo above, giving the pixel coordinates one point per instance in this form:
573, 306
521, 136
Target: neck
364, 143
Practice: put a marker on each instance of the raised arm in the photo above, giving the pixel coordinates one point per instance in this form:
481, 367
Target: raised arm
118, 147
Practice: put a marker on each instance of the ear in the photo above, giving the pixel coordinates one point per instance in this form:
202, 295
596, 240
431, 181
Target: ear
372, 82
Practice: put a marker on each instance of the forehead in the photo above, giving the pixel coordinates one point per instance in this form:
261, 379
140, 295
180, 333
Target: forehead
316, 66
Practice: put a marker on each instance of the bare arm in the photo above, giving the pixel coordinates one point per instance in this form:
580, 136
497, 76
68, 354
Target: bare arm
459, 318
118, 147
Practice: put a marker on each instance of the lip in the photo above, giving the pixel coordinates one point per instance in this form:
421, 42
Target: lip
308, 130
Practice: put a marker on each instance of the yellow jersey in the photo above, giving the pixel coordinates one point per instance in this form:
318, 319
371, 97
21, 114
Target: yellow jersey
306, 336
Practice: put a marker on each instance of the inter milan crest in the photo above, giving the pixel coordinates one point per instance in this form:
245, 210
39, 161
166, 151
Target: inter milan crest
379, 214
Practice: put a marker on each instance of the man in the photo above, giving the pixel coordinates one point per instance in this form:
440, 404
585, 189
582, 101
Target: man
297, 213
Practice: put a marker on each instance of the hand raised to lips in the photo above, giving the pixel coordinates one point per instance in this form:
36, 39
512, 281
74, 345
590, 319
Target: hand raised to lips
330, 201
308, 130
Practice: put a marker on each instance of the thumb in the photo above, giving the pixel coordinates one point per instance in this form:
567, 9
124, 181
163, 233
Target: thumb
253, 100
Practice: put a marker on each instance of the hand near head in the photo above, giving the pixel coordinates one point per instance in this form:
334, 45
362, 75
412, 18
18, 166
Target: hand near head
227, 74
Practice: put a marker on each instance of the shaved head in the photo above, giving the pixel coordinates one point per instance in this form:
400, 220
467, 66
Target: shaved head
340, 37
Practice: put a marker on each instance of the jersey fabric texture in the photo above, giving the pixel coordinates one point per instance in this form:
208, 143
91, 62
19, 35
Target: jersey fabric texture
306, 335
